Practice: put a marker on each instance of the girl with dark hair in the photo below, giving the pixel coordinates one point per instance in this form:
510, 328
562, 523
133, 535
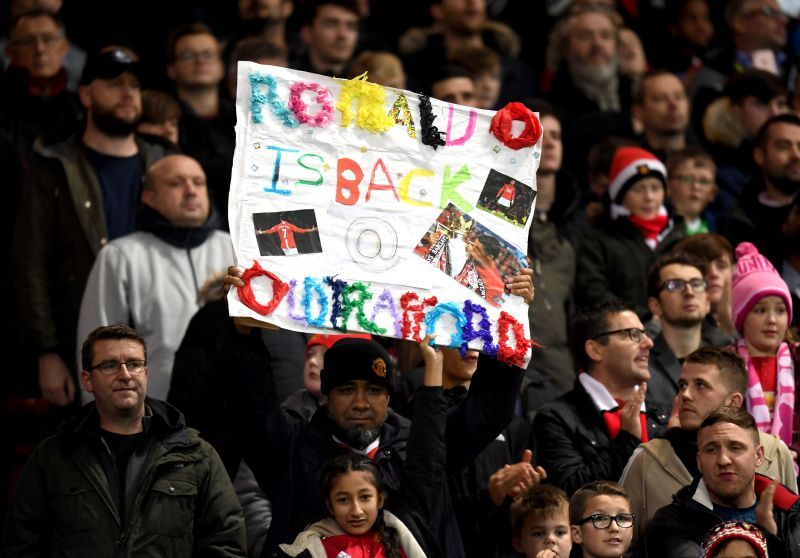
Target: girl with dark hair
366, 521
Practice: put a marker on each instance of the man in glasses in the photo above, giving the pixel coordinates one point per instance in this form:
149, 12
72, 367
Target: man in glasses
728, 455
206, 127
677, 297
126, 474
589, 433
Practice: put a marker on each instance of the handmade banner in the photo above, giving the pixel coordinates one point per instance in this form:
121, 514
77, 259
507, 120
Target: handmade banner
356, 207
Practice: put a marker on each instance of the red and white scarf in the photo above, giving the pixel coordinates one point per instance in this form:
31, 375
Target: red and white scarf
654, 230
781, 423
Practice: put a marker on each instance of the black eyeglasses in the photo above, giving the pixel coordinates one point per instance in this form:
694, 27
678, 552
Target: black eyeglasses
111, 367
678, 285
603, 520
634, 333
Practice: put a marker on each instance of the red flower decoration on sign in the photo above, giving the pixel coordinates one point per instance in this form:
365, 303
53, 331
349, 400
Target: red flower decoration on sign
501, 126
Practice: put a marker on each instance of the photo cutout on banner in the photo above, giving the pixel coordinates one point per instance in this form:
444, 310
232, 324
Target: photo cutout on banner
357, 207
507, 198
287, 233
471, 254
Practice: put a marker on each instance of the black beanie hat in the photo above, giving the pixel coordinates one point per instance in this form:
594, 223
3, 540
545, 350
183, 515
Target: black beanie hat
356, 359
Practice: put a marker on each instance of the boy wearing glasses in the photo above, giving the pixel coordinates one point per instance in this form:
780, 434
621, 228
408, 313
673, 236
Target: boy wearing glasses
691, 187
601, 520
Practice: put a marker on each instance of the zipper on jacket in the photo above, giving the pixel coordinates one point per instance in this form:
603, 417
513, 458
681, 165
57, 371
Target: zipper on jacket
123, 538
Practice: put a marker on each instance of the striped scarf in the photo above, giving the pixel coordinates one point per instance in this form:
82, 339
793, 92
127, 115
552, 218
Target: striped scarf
781, 424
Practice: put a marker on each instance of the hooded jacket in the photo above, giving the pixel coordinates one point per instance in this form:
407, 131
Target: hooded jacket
180, 501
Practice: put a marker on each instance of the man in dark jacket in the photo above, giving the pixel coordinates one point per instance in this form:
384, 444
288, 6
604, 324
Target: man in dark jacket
286, 454
766, 201
728, 453
79, 194
590, 433
126, 477
677, 296
482, 516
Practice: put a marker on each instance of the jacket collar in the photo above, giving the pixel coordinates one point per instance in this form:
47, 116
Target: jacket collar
599, 394
160, 418
150, 220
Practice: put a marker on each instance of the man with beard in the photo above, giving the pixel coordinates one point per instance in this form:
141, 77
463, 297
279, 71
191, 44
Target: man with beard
767, 200
593, 98
79, 194
661, 106
676, 296
330, 34
588, 80
286, 453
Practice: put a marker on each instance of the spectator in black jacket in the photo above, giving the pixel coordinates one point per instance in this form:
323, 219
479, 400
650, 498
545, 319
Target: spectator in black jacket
590, 433
728, 454
286, 454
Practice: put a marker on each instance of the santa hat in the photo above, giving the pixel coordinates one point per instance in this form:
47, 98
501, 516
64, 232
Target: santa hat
327, 341
753, 279
732, 530
629, 165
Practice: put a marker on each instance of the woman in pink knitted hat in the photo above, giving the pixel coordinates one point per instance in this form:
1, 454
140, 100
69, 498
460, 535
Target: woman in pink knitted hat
762, 312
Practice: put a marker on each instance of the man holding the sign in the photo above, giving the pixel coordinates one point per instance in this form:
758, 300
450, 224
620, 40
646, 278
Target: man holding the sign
286, 455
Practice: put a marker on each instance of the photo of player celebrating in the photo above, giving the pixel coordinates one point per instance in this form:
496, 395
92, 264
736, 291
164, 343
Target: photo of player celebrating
275, 233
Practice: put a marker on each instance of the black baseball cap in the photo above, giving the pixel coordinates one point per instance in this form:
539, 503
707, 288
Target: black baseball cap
110, 63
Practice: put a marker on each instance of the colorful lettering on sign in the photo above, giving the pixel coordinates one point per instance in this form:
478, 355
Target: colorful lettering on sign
276, 171
449, 186
414, 314
259, 98
369, 98
302, 163
374, 186
248, 298
407, 120
338, 287
386, 303
473, 118
450, 308
405, 184
312, 287
324, 115
357, 304
468, 332
352, 298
